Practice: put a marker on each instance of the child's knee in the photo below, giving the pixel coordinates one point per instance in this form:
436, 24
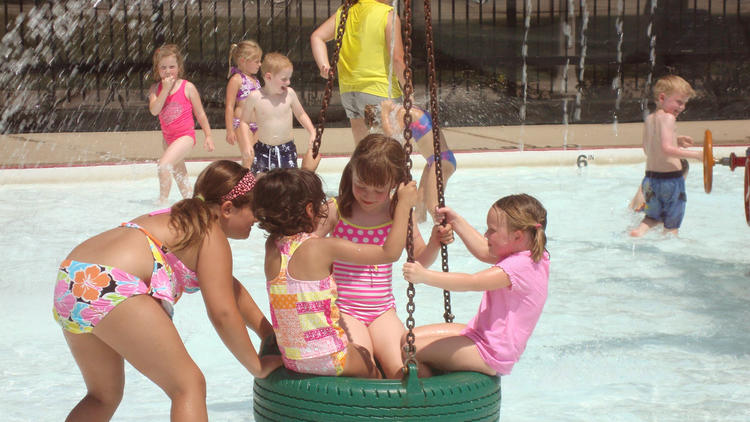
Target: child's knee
191, 384
109, 396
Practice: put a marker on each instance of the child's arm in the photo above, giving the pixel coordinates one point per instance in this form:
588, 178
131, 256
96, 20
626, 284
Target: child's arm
667, 124
156, 102
474, 241
318, 39
248, 116
251, 313
427, 253
386, 107
490, 279
308, 162
398, 47
200, 115
390, 251
230, 102
326, 226
214, 270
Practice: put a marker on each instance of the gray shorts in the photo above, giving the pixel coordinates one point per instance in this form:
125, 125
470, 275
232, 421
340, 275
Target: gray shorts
354, 103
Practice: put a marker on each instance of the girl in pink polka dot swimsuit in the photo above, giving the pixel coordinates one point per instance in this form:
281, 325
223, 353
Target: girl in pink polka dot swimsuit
363, 213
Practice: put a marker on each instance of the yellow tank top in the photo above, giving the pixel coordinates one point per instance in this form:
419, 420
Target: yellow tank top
365, 57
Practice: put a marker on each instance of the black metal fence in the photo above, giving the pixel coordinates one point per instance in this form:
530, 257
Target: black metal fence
84, 65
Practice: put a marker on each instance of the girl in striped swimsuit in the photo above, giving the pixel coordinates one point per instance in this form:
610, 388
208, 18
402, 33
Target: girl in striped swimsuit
363, 213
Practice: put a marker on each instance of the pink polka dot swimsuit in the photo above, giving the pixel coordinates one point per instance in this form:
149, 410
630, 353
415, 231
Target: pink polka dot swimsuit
365, 291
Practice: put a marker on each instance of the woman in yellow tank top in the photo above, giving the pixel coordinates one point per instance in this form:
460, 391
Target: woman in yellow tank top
364, 59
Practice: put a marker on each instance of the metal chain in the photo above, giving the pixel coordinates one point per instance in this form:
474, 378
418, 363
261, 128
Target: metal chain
331, 74
447, 315
408, 91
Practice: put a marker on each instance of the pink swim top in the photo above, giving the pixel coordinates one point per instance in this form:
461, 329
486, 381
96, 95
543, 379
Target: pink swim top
303, 312
171, 277
365, 291
176, 116
507, 316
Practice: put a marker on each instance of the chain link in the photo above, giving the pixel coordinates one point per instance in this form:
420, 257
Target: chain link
408, 92
447, 315
331, 74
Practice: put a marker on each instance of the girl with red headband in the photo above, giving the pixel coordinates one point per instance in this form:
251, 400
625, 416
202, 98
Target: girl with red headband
115, 293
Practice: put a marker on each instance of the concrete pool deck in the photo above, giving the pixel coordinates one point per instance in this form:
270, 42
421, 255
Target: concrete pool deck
44, 150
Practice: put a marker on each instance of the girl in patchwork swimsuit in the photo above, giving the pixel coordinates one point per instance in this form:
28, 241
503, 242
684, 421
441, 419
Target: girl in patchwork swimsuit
391, 118
175, 100
246, 56
289, 204
364, 213
115, 292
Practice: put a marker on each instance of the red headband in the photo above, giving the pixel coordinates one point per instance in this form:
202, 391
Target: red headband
242, 187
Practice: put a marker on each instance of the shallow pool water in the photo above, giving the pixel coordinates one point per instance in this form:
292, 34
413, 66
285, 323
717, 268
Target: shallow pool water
645, 329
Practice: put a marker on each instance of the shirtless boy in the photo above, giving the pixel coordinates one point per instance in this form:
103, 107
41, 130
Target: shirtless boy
664, 187
272, 108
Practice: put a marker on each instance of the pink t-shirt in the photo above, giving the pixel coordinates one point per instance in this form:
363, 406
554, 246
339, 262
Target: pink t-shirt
507, 316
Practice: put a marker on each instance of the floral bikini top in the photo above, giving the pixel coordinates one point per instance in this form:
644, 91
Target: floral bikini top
170, 277
248, 84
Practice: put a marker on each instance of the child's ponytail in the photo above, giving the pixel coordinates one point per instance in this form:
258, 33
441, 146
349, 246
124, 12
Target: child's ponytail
231, 52
524, 212
192, 217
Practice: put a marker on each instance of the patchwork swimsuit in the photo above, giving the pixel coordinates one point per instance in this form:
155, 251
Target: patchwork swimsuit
248, 85
85, 293
305, 317
365, 291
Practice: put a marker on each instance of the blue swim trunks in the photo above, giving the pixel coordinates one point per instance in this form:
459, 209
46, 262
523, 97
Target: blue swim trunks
268, 157
665, 197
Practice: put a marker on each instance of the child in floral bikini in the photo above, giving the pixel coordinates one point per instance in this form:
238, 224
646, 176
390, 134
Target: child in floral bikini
246, 55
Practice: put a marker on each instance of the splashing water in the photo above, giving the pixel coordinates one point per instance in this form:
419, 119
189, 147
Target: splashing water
524, 72
567, 30
582, 60
652, 60
617, 81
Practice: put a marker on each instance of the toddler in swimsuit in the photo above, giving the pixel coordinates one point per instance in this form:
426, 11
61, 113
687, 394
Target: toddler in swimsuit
246, 57
289, 204
391, 118
363, 213
273, 108
175, 100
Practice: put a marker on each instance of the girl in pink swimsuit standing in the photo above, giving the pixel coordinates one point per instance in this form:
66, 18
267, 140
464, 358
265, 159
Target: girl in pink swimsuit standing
115, 291
246, 56
175, 100
515, 289
363, 213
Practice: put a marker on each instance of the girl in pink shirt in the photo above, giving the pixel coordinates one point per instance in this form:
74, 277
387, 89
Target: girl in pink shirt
175, 100
515, 291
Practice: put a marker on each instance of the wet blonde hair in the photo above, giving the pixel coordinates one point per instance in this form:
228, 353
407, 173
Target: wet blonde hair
247, 49
165, 51
671, 84
274, 63
192, 217
524, 212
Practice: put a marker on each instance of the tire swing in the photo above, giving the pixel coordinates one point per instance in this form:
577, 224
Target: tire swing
459, 396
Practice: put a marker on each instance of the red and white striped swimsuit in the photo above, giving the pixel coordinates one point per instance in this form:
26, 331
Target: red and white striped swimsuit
365, 291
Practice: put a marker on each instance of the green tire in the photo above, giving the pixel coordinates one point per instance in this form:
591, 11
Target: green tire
460, 396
